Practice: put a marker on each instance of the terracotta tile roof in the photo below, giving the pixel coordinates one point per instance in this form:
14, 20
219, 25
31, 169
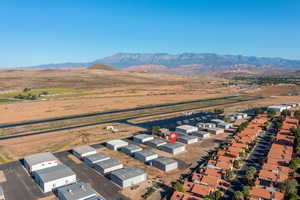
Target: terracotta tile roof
202, 190
224, 165
225, 159
267, 175
213, 172
257, 193
212, 181
184, 196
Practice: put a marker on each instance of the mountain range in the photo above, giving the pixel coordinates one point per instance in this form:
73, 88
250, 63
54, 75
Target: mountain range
186, 63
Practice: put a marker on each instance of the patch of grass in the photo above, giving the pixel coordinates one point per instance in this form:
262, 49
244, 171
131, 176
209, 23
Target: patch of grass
50, 91
6, 100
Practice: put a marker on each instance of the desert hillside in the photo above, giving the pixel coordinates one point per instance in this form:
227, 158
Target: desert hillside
11, 80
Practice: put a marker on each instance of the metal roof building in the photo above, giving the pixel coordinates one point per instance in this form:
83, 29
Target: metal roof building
187, 139
173, 148
165, 164
186, 129
78, 191
83, 151
145, 155
54, 177
116, 144
131, 149
127, 177
142, 138
202, 134
40, 161
215, 131
108, 166
95, 158
156, 143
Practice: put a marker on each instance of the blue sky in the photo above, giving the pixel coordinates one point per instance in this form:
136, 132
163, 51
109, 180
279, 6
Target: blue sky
53, 31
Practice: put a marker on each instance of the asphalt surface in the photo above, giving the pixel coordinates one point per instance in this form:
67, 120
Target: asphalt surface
110, 112
99, 114
100, 183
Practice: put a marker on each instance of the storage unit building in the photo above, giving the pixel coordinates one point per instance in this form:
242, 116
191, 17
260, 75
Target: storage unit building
40, 161
131, 149
173, 148
277, 108
54, 177
155, 143
116, 144
186, 129
142, 138
81, 152
225, 125
78, 191
215, 131
165, 164
187, 139
108, 166
202, 125
95, 158
217, 121
145, 155
128, 176
202, 134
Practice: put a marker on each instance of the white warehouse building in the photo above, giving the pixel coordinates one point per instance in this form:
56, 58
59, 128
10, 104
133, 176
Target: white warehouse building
40, 161
131, 149
54, 177
142, 138
187, 139
173, 148
78, 191
145, 155
186, 129
165, 164
81, 152
116, 144
108, 166
95, 158
127, 177
155, 143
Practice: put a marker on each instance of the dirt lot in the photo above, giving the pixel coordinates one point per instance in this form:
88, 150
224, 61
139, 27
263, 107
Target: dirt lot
18, 148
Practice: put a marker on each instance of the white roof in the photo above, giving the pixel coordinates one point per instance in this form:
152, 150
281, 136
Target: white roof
84, 149
39, 158
117, 142
187, 127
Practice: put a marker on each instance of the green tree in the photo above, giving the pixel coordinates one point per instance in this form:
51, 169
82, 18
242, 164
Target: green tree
286, 113
294, 163
156, 130
297, 114
218, 111
238, 195
178, 187
246, 191
229, 174
293, 196
237, 164
271, 113
217, 195
289, 186
258, 111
